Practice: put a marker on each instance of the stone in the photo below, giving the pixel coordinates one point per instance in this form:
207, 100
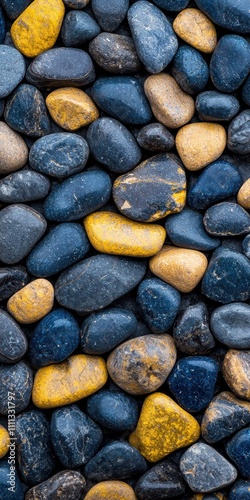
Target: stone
16, 386
236, 372
23, 186
18, 493
64, 245
205, 470
101, 332
199, 144
61, 67
32, 302
158, 304
230, 15
190, 69
14, 152
13, 343
191, 331
162, 481
68, 484
4, 442
78, 196
170, 105
75, 437
246, 246
76, 4
141, 365
226, 219
155, 137
115, 53
54, 339
180, 267
216, 107
238, 450
38, 26
172, 5
114, 410
12, 279
22, 227
238, 133
123, 98
110, 13
230, 324
9, 58
240, 490
61, 384
26, 112
116, 460
111, 489
194, 27
246, 91
115, 234
154, 189
94, 283
243, 196
112, 145
71, 108
163, 427
78, 28
14, 9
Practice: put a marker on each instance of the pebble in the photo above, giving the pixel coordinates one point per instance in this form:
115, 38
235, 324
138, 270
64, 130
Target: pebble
5, 470
230, 324
232, 16
194, 27
71, 108
226, 219
13, 343
199, 144
172, 5
101, 332
180, 267
78, 196
14, 152
154, 189
16, 381
32, 302
191, 331
61, 384
115, 53
23, 186
54, 339
162, 481
238, 450
75, 437
163, 427
111, 489
110, 13
170, 105
236, 372
238, 133
240, 490
148, 370
4, 442
112, 145
76, 4
246, 246
78, 28
216, 106
114, 410
155, 137
205, 470
9, 58
68, 484
14, 9
11, 280
146, 20
158, 304
96, 282
243, 196
246, 91
190, 69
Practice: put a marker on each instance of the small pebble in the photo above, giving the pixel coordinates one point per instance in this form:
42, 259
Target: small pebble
216, 106
9, 58
16, 380
14, 9
24, 186
236, 372
115, 53
4, 442
14, 152
238, 133
155, 137
194, 27
230, 324
12, 279
71, 108
78, 28
5, 470
13, 343
111, 489
32, 302
68, 484
115, 410
230, 63
110, 13
230, 15
240, 490
190, 69
243, 196
191, 330
162, 481
226, 219
238, 450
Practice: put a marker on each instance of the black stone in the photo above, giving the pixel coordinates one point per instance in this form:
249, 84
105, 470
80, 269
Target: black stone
155, 137
13, 343
10, 59
17, 381
115, 53
216, 106
78, 28
14, 8
191, 331
23, 186
226, 219
114, 409
230, 324
12, 279
110, 13
171, 5
228, 13
161, 482
190, 69
65, 485
239, 133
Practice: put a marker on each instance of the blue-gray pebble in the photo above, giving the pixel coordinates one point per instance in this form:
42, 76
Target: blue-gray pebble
115, 410
238, 450
226, 219
110, 13
78, 28
191, 330
216, 106
246, 246
162, 481
13, 343
14, 8
190, 69
10, 58
230, 324
155, 137
240, 490
23, 186
239, 133
228, 13
172, 5
5, 475
18, 380
2, 25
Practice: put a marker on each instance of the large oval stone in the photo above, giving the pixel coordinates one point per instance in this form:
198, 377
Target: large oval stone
24, 186
32, 302
10, 58
228, 14
68, 484
13, 343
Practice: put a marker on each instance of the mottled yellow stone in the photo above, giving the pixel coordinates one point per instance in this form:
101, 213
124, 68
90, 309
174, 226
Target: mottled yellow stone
220, 496
14, 153
196, 29
111, 490
199, 144
180, 267
115, 234
243, 196
71, 108
163, 427
64, 383
236, 372
38, 26
32, 302
4, 441
170, 105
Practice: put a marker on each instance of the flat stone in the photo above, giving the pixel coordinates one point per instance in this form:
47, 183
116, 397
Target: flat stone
230, 324
78, 28
190, 69
238, 450
16, 379
69, 484
230, 15
13, 343
5, 470
191, 330
24, 186
14, 9
71, 108
246, 91
115, 53
216, 106
109, 489
236, 372
155, 137
246, 246
243, 197
14, 152
114, 410
226, 219
12, 279
10, 58
110, 13
240, 490
238, 133
32, 302
194, 27
162, 481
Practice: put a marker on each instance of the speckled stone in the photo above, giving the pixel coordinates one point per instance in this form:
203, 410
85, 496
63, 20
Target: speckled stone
12, 279
240, 490
24, 186
226, 219
13, 343
5, 470
9, 58
114, 410
14, 9
14, 152
246, 91
32, 302
238, 133
155, 137
194, 27
191, 330
230, 324
190, 69
67, 484
238, 450
246, 246
230, 15
162, 481
236, 372
243, 196
216, 106
110, 13
115, 53
78, 28
17, 380
111, 489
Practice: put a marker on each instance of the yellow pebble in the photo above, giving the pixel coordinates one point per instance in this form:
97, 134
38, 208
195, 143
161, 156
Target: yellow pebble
111, 490
4, 441
32, 302
38, 26
196, 29
219, 496
170, 105
163, 427
180, 267
115, 234
243, 196
71, 108
199, 144
67, 382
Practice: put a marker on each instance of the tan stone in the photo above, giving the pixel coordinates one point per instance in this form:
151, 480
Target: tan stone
196, 29
243, 196
236, 372
13, 150
32, 302
111, 490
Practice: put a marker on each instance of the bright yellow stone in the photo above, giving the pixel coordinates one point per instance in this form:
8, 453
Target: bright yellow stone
163, 427
115, 234
196, 29
199, 144
111, 490
71, 108
4, 441
180, 267
243, 196
38, 26
67, 382
32, 302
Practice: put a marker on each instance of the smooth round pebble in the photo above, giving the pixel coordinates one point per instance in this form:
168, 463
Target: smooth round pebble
195, 28
32, 302
191, 331
110, 13
226, 219
78, 28
71, 108
240, 490
155, 137
10, 58
190, 69
238, 133
69, 484
230, 15
12, 279
115, 53
216, 106
161, 481
236, 372
23, 186
230, 324
238, 450
115, 410
14, 152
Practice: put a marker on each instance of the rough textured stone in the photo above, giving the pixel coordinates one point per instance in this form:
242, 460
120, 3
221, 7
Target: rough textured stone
10, 58
236, 372
230, 324
13, 343
111, 489
155, 137
14, 152
216, 106
24, 186
78, 28
194, 27
32, 302
66, 485
190, 69
191, 331
115, 410
238, 133
110, 13
16, 380
240, 490
71, 108
12, 279
162, 481
115, 53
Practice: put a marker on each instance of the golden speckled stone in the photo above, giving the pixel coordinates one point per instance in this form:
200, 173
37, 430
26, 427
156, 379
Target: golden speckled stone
180, 267
236, 372
141, 365
67, 382
38, 26
163, 427
71, 108
243, 196
196, 29
170, 105
117, 235
199, 144
32, 302
111, 490
14, 153
4, 441
220, 496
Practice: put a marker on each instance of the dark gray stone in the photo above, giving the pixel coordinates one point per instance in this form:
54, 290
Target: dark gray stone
13, 343
239, 133
155, 137
65, 485
110, 13
191, 331
229, 14
12, 279
161, 482
115, 53
78, 28
231, 325
23, 186
13, 69
16, 380
226, 219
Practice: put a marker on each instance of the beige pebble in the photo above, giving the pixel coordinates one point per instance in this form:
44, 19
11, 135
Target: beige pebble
196, 29
13, 150
236, 372
243, 196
